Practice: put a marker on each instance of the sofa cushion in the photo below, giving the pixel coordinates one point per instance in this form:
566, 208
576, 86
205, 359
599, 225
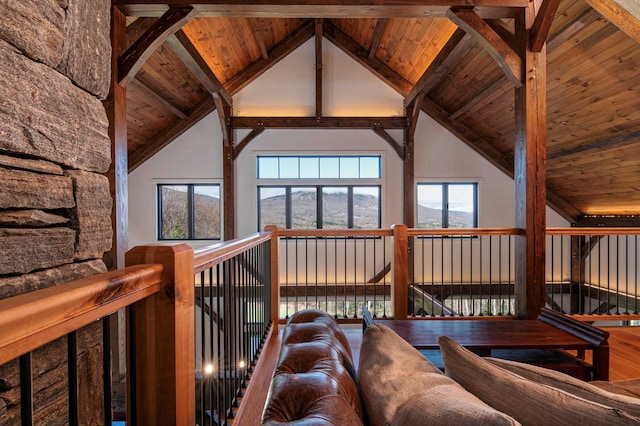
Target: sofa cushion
399, 386
571, 385
629, 387
528, 402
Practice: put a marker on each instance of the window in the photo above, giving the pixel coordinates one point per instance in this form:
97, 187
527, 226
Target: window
189, 212
321, 192
447, 205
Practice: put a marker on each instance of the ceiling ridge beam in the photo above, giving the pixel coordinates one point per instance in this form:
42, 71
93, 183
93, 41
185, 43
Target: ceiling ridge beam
542, 24
624, 14
610, 143
275, 55
189, 55
257, 33
318, 54
572, 28
361, 56
143, 87
506, 57
137, 54
165, 137
495, 85
378, 32
240, 122
439, 66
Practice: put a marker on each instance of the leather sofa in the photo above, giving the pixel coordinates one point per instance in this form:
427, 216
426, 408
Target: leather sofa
315, 384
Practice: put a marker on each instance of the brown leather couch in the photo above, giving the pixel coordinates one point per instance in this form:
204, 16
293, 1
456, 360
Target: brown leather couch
315, 380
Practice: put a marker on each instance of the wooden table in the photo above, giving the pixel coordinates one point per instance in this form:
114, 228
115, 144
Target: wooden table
550, 331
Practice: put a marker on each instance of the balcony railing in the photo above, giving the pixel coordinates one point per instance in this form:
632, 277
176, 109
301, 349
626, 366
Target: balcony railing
198, 323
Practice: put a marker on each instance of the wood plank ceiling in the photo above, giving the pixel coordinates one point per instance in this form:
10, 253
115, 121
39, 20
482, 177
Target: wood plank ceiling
593, 84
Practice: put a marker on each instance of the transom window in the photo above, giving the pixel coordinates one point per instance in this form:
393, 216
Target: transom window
189, 212
319, 192
447, 205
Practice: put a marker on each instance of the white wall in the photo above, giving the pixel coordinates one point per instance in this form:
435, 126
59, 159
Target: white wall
287, 89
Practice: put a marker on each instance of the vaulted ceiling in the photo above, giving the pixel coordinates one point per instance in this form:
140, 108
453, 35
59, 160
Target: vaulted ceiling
593, 77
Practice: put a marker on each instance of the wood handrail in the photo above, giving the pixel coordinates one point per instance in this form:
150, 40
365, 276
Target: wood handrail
30, 320
593, 231
335, 233
209, 256
457, 232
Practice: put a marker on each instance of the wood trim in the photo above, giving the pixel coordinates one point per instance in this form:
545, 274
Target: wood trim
439, 66
317, 122
542, 24
189, 55
137, 54
508, 60
33, 319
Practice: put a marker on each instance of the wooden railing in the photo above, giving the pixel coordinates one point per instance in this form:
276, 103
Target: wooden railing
158, 291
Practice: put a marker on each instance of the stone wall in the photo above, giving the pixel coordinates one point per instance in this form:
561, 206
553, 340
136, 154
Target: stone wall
55, 203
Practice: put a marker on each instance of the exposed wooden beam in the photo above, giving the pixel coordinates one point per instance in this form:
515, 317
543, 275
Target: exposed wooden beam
625, 14
137, 54
116, 108
378, 32
224, 113
392, 143
497, 84
361, 55
318, 122
318, 8
275, 54
609, 221
246, 140
137, 28
189, 55
572, 28
601, 145
166, 136
158, 97
414, 109
530, 175
507, 59
318, 40
439, 66
257, 33
541, 26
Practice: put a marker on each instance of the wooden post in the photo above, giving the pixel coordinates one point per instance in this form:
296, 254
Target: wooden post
400, 271
275, 276
530, 174
116, 108
165, 341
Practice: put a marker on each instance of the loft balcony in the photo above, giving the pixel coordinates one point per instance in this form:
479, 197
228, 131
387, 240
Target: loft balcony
199, 324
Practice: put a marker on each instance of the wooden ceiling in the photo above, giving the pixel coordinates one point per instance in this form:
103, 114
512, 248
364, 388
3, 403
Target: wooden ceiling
593, 79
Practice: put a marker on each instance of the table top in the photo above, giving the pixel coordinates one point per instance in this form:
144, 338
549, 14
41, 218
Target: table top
479, 334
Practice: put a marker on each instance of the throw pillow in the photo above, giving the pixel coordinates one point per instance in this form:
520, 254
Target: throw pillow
528, 402
401, 387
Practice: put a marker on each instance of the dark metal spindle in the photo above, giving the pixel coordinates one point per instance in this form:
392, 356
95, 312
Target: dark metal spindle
26, 390
106, 368
72, 368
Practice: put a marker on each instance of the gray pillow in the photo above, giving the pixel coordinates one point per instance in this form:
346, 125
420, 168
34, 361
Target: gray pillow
528, 402
570, 384
400, 387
